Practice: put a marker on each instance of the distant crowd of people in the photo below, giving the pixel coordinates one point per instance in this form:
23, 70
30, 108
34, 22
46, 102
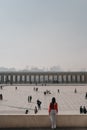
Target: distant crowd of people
83, 110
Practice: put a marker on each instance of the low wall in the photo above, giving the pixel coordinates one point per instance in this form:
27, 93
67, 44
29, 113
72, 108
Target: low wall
42, 121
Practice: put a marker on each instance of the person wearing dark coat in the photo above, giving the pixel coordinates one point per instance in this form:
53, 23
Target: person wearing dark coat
39, 104
81, 109
84, 110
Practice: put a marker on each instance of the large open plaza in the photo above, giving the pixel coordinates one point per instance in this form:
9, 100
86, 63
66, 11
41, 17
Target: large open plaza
15, 98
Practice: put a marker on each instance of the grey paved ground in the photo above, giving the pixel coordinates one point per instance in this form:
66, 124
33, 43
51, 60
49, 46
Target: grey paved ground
16, 101
43, 128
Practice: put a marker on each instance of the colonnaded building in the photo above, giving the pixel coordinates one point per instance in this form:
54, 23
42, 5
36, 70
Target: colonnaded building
43, 77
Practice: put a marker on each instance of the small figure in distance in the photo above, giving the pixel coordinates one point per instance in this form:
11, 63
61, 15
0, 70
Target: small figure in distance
36, 89
1, 87
44, 92
81, 109
75, 91
26, 112
29, 98
35, 110
84, 109
1, 97
53, 110
39, 104
58, 91
86, 96
16, 88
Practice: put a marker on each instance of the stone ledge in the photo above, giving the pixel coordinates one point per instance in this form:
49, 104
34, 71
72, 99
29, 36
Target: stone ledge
7, 121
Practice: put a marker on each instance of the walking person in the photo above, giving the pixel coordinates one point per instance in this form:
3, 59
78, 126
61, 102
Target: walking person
53, 110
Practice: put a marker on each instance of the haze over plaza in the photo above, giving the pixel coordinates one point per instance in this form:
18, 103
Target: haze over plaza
43, 34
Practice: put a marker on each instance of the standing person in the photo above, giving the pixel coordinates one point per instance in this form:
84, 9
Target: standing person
35, 110
39, 104
53, 110
28, 98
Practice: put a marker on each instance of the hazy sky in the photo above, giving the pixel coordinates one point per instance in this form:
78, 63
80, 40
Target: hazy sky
43, 33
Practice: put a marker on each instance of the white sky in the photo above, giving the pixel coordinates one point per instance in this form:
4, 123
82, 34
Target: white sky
43, 33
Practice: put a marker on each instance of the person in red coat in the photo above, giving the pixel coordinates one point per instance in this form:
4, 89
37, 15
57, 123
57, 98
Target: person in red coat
53, 110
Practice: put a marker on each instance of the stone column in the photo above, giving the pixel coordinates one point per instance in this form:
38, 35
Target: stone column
2, 78
34, 78
43, 78
52, 78
11, 80
25, 76
30, 78
71, 78
6, 79
84, 77
80, 79
16, 79
21, 81
57, 78
62, 78
66, 78
39, 78
48, 78
76, 78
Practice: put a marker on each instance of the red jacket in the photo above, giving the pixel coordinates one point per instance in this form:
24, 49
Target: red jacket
53, 107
